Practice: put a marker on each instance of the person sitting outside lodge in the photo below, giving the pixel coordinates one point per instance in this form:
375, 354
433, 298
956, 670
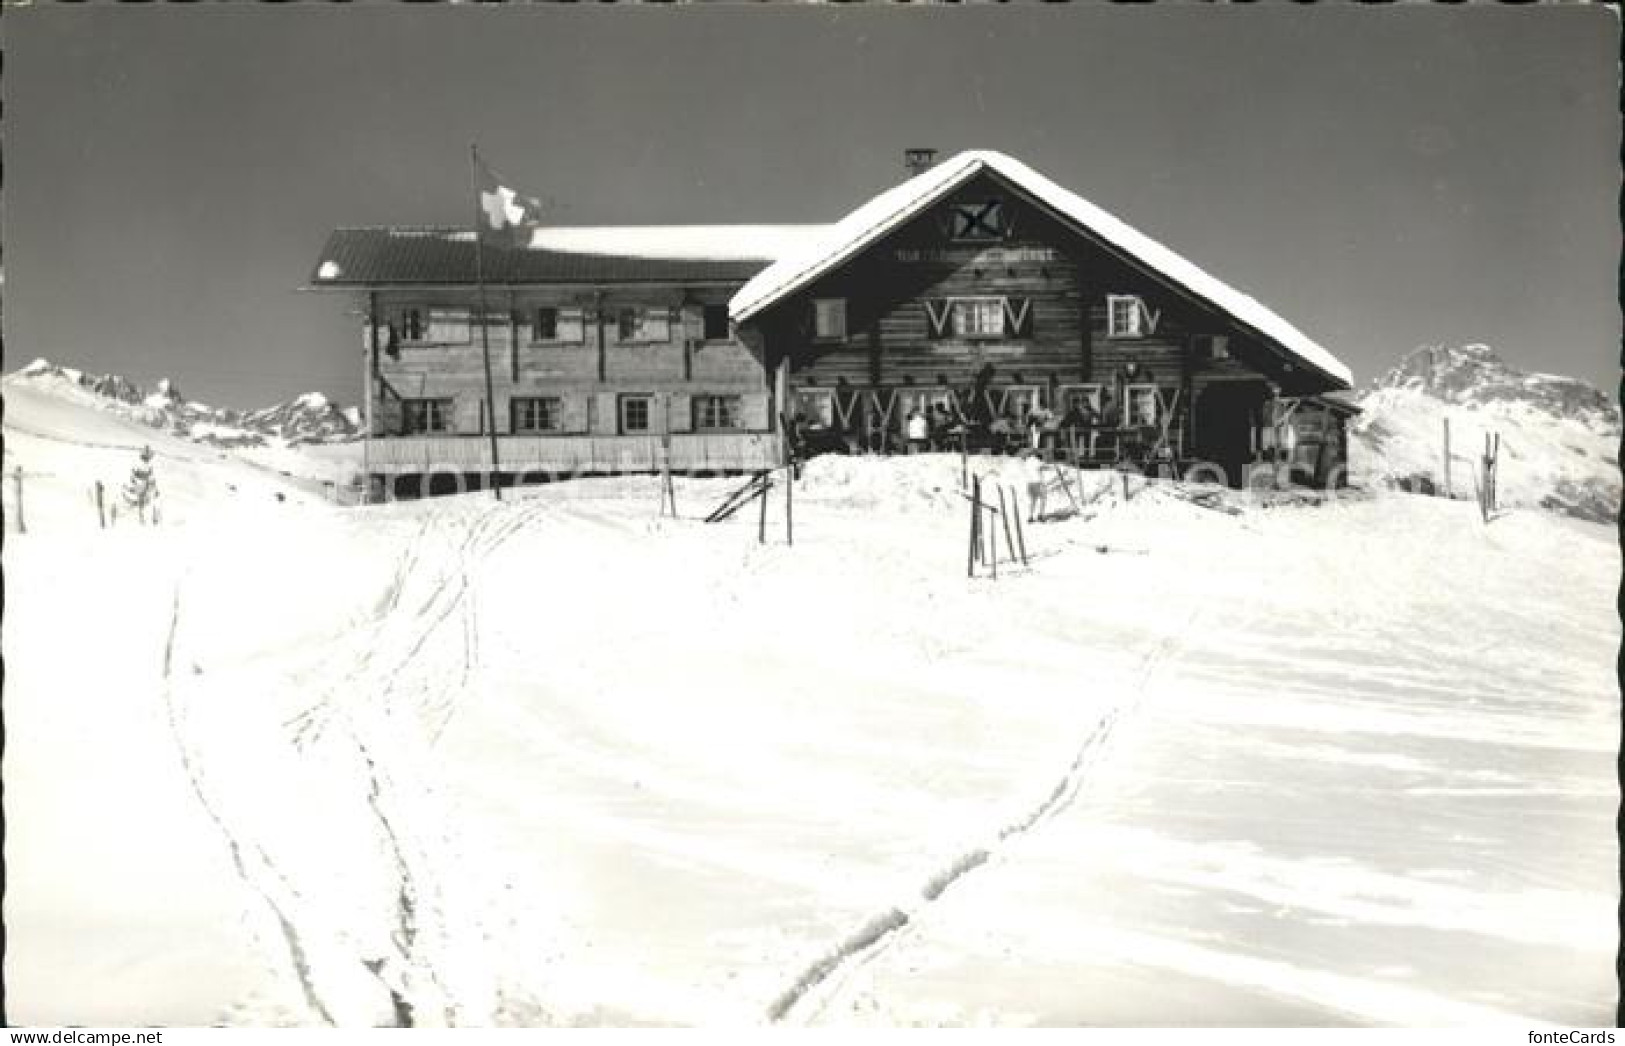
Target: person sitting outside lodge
918, 431
1041, 430
942, 423
1005, 432
1109, 416
1077, 427
798, 436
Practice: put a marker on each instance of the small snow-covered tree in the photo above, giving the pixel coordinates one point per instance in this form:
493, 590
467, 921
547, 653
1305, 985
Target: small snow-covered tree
141, 490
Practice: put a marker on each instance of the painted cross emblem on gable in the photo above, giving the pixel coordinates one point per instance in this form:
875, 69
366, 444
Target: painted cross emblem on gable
977, 221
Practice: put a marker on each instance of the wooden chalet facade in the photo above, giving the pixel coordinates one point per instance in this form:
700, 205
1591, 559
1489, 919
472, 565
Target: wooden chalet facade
977, 285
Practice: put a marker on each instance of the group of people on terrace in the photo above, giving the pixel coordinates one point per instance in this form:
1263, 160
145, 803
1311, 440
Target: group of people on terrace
1083, 432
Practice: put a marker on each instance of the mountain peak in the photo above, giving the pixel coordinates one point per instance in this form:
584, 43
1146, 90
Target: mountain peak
1475, 375
1559, 436
308, 418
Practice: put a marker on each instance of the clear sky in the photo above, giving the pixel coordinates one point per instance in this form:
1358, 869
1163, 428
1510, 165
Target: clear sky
1382, 177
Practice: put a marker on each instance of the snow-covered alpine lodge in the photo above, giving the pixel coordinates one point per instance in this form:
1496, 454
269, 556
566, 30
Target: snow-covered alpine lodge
1001, 308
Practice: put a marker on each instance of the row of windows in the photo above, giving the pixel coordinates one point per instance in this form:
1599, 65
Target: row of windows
987, 317
542, 414
959, 317
551, 323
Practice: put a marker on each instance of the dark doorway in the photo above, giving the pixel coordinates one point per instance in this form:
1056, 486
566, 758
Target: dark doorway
1225, 426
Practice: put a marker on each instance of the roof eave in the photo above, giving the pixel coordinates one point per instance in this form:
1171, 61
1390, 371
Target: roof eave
880, 230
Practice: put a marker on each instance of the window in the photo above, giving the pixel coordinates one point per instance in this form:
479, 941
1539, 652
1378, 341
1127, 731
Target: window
718, 412
420, 416
815, 406
1140, 405
535, 413
926, 401
1022, 400
557, 324
411, 325
635, 413
977, 317
716, 323
1123, 315
987, 317
829, 319
1076, 398
979, 221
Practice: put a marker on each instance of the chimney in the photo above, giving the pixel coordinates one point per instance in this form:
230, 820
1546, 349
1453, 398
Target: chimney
919, 160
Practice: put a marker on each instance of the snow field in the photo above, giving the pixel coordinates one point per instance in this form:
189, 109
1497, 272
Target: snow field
558, 760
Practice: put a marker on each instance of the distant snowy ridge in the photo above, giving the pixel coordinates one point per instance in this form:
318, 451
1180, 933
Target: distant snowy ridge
309, 418
1560, 437
1474, 375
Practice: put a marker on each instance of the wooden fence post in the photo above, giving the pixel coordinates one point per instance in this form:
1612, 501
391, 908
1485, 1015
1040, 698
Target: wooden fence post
976, 519
789, 505
17, 478
992, 544
101, 510
761, 521
970, 556
1495, 472
1021, 538
1447, 491
1004, 517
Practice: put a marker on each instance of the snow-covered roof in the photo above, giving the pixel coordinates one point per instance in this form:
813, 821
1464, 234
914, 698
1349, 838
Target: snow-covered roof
713, 242
889, 210
396, 255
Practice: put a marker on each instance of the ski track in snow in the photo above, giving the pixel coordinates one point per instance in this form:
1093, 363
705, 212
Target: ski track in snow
824, 980
356, 715
414, 658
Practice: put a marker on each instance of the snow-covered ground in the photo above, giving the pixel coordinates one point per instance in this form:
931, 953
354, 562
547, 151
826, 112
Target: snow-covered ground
559, 760
1559, 463
65, 439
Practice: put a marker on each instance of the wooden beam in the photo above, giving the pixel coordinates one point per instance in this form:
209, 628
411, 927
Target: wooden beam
513, 339
598, 312
1187, 382
1086, 341
372, 377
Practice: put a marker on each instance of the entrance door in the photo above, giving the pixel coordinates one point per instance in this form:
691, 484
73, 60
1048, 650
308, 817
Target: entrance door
1225, 426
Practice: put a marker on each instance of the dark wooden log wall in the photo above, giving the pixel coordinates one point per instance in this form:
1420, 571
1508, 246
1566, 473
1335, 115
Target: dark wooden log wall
1066, 279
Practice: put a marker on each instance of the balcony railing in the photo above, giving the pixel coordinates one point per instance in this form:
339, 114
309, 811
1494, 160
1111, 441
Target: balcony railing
689, 452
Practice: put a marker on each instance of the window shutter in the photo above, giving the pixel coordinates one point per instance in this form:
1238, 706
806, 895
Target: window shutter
682, 412
753, 411
938, 313
449, 325
657, 324
694, 322
571, 326
1018, 317
572, 414
607, 414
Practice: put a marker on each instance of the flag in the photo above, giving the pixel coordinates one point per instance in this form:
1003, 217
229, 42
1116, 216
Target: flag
506, 217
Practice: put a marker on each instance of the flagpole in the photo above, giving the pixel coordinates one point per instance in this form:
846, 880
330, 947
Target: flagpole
485, 332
